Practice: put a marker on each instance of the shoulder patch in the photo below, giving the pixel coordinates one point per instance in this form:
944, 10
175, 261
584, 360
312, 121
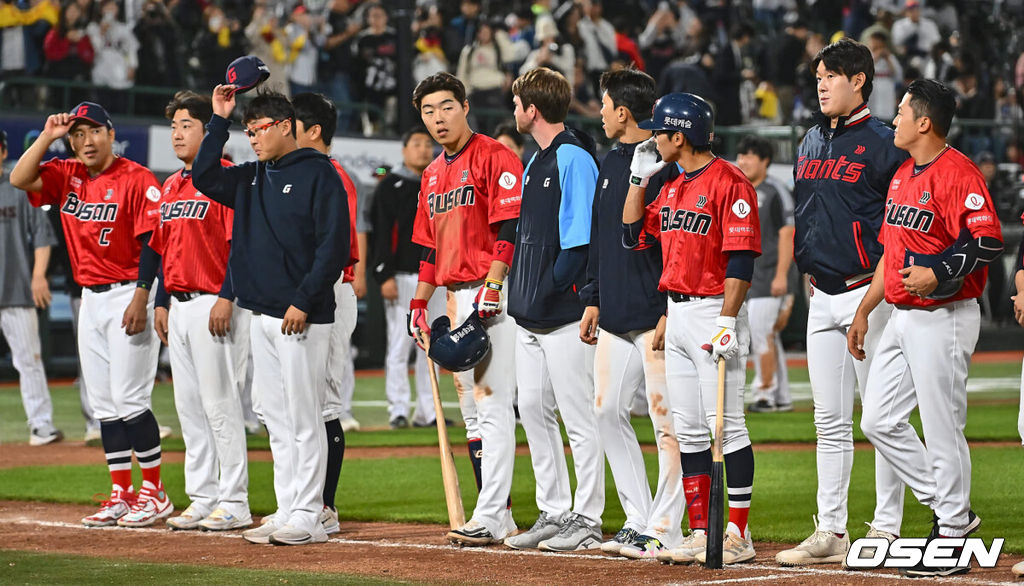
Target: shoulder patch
974, 201
741, 208
153, 193
507, 180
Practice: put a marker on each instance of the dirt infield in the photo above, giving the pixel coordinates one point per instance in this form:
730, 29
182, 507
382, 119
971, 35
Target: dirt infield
403, 552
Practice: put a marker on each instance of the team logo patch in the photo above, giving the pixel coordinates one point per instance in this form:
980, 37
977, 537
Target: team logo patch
547, 181
671, 192
974, 201
287, 188
895, 184
702, 200
741, 208
605, 184
76, 182
506, 181
925, 198
725, 339
859, 150
465, 175
110, 195
152, 193
432, 181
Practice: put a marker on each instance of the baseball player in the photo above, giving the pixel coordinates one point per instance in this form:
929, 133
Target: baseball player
25, 240
466, 221
843, 168
769, 295
395, 264
707, 222
315, 121
193, 240
290, 242
939, 235
624, 317
109, 209
553, 369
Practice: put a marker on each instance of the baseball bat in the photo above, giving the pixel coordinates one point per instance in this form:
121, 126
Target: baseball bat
716, 506
452, 493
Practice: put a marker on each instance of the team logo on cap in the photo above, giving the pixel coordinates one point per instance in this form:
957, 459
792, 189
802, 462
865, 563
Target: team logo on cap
678, 122
741, 208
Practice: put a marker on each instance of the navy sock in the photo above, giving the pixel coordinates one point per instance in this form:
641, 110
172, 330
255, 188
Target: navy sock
335, 456
118, 450
144, 433
476, 451
696, 463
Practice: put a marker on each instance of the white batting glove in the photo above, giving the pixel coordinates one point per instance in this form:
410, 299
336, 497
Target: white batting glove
646, 162
724, 344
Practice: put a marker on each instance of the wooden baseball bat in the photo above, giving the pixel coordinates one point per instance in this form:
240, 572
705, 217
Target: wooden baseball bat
452, 493
716, 505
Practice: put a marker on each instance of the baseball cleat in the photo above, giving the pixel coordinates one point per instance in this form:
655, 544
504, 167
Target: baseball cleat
261, 534
93, 437
400, 422
821, 547
221, 520
111, 510
546, 526
189, 519
687, 551
329, 520
1018, 569
349, 424
645, 547
290, 535
783, 407
761, 406
735, 550
44, 434
574, 535
165, 431
625, 536
473, 534
149, 507
874, 534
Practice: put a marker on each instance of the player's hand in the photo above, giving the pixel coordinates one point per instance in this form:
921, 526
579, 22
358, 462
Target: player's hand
1018, 308
779, 286
855, 336
160, 316
488, 298
784, 313
919, 281
389, 289
588, 325
646, 162
294, 321
134, 319
220, 317
224, 100
41, 291
724, 344
658, 342
417, 321
359, 285
57, 126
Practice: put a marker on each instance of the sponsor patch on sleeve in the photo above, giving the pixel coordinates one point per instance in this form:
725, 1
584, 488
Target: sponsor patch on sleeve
507, 180
153, 193
974, 201
741, 208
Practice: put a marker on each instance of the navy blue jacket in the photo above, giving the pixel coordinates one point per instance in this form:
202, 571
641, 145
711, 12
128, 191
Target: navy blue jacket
622, 282
558, 199
841, 178
290, 237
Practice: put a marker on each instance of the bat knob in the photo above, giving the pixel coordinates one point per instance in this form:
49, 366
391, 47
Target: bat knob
706, 348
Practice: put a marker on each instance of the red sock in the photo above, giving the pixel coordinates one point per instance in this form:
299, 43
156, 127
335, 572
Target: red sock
697, 491
121, 479
149, 461
738, 517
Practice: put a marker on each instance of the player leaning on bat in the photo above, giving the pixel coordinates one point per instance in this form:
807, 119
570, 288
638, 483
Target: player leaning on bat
707, 222
940, 233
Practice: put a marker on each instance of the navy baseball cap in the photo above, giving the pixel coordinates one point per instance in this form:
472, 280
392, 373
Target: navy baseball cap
246, 73
92, 113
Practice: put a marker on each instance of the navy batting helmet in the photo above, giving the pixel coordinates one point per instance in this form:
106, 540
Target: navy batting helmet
686, 113
459, 349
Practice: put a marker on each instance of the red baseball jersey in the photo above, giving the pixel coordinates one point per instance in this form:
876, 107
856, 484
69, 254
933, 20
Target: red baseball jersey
699, 220
461, 204
350, 189
926, 211
102, 216
194, 237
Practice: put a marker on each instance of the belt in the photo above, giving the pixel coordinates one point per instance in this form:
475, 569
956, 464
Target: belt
107, 286
680, 297
182, 296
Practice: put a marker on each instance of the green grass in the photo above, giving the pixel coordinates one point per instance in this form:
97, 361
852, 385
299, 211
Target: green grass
18, 567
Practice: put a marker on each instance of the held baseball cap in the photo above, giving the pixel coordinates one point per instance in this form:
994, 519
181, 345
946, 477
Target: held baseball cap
246, 73
92, 113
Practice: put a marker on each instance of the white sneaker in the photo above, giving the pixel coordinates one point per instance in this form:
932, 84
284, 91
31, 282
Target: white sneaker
112, 509
261, 534
735, 550
1018, 569
44, 434
644, 547
349, 424
869, 552
329, 520
821, 547
508, 527
221, 520
545, 527
575, 534
692, 545
289, 535
165, 431
150, 506
189, 519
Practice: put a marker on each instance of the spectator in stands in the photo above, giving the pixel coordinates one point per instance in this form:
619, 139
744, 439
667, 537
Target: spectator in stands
666, 33
584, 101
376, 50
429, 57
788, 53
883, 24
302, 31
888, 79
600, 47
628, 51
552, 51
914, 35
506, 134
161, 62
462, 29
732, 66
117, 50
482, 69
221, 41
69, 54
268, 41
336, 67
974, 102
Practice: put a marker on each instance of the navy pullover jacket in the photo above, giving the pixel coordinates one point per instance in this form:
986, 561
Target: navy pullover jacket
623, 282
841, 178
290, 237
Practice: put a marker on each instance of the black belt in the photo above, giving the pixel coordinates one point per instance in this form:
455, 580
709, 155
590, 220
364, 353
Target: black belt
182, 296
681, 297
107, 287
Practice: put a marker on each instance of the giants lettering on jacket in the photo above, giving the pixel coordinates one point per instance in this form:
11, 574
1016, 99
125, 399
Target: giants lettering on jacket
464, 195
836, 169
908, 216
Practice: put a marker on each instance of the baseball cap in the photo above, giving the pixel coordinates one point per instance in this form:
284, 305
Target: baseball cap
246, 73
92, 113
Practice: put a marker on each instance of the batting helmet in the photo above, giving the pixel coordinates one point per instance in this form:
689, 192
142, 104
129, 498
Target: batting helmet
459, 349
686, 113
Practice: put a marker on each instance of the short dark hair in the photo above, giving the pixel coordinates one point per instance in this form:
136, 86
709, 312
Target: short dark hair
936, 101
439, 82
509, 129
758, 145
631, 89
546, 89
408, 134
269, 104
313, 109
199, 107
848, 57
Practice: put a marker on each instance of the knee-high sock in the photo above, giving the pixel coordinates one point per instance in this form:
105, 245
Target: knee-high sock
476, 452
118, 450
335, 456
144, 433
739, 478
697, 487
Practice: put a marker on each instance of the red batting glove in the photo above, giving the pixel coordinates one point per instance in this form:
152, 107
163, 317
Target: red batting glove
488, 299
417, 320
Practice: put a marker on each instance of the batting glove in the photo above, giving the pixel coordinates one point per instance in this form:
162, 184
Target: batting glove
646, 162
724, 344
488, 299
417, 320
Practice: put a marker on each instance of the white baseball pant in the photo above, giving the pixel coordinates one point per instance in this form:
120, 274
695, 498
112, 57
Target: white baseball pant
400, 343
1020, 412
207, 398
83, 393
622, 364
763, 313
290, 374
922, 361
834, 374
118, 369
20, 326
485, 400
341, 375
555, 370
